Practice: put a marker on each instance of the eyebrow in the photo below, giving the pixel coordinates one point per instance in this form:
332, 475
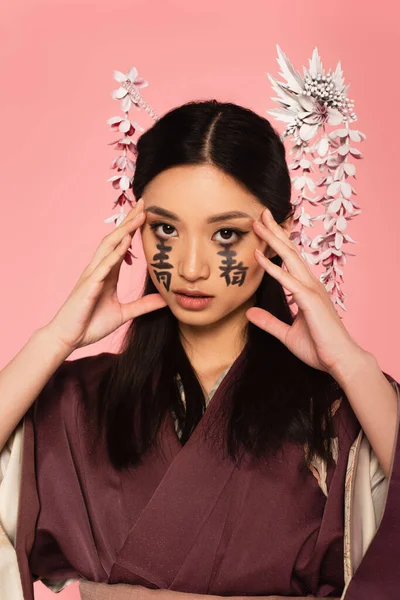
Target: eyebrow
233, 214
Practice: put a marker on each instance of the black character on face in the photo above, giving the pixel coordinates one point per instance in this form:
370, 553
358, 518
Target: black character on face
160, 259
234, 272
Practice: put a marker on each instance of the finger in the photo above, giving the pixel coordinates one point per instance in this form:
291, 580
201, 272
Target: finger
294, 262
102, 270
304, 296
268, 220
112, 241
142, 305
268, 322
133, 212
285, 278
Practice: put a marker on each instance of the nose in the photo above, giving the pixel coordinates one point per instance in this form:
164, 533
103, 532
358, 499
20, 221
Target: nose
193, 262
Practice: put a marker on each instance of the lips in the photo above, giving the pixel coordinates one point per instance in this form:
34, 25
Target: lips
192, 293
195, 301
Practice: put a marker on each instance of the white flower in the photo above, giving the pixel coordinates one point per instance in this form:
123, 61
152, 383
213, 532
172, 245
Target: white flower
124, 125
312, 101
128, 79
309, 104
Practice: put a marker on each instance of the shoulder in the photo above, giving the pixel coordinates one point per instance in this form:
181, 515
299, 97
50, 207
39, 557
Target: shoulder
73, 380
86, 370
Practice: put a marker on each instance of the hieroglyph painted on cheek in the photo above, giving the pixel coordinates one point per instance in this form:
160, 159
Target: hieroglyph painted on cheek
234, 272
160, 258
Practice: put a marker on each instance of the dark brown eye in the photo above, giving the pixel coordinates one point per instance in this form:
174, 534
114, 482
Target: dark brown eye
229, 236
161, 229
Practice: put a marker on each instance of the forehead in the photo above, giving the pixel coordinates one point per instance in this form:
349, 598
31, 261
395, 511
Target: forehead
197, 191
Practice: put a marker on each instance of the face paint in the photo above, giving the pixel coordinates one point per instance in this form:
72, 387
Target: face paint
234, 272
160, 259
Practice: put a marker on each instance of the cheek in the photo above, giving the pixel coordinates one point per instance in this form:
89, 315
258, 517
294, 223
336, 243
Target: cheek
237, 269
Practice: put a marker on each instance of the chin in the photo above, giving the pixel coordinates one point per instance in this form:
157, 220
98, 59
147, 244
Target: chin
194, 317
200, 318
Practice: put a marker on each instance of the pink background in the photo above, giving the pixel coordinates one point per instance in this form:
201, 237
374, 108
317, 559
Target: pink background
56, 63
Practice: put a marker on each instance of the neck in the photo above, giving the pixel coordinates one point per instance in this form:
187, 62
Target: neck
216, 345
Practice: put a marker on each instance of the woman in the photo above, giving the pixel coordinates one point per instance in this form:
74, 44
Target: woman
214, 454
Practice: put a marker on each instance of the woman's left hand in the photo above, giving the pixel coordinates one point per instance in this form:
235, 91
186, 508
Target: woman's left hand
317, 335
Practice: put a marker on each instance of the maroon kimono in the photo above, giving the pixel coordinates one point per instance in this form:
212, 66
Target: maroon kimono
187, 519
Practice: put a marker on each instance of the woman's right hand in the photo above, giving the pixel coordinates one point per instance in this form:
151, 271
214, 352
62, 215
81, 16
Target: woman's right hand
92, 310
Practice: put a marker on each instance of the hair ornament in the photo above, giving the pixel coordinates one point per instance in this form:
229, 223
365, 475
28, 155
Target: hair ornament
309, 105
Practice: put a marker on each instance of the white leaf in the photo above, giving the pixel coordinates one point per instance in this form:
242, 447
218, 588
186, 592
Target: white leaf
338, 77
334, 161
338, 270
124, 183
330, 286
333, 188
348, 205
299, 182
339, 172
132, 74
343, 150
130, 164
349, 239
286, 95
312, 119
310, 183
308, 131
110, 219
305, 164
293, 78
323, 146
327, 253
126, 103
137, 126
349, 169
120, 77
346, 189
120, 93
286, 115
315, 63
114, 120
356, 153
121, 162
335, 117
335, 205
355, 136
307, 103
124, 126
119, 219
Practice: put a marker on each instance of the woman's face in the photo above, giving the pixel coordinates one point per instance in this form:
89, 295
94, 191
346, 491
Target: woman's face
198, 237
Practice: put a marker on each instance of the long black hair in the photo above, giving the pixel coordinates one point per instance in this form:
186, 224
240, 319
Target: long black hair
277, 397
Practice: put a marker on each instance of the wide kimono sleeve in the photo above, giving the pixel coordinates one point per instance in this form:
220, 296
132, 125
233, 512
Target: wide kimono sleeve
372, 523
19, 503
